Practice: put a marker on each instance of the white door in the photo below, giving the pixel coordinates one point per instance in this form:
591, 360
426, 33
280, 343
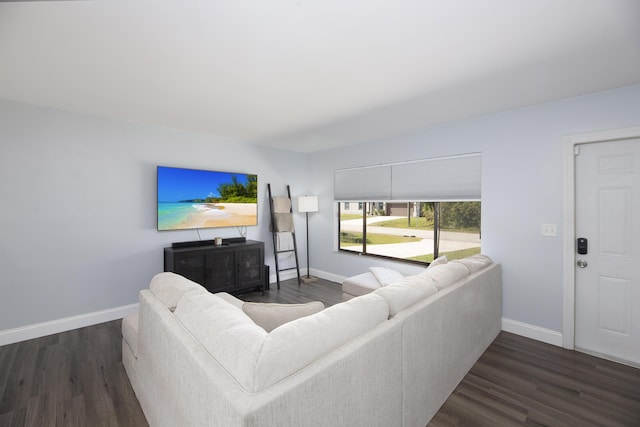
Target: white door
608, 275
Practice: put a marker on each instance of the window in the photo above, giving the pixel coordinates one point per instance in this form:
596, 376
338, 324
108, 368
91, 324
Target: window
411, 231
414, 211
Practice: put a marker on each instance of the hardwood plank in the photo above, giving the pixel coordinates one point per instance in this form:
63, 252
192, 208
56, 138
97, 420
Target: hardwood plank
23, 370
510, 410
72, 413
14, 419
7, 356
41, 411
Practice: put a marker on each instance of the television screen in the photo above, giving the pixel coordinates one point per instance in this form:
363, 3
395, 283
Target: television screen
190, 198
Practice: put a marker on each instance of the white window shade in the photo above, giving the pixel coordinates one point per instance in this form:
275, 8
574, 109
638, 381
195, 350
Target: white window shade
439, 179
363, 184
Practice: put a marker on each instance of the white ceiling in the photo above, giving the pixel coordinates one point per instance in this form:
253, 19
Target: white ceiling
308, 75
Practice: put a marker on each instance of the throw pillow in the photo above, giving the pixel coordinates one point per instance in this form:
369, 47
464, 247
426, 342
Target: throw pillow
385, 275
438, 261
271, 315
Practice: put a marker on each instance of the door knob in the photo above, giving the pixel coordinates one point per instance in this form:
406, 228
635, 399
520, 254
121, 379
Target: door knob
582, 263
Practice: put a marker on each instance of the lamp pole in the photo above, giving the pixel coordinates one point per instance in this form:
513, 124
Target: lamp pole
308, 204
308, 276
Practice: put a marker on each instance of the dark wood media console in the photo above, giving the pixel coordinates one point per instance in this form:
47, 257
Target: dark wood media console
232, 267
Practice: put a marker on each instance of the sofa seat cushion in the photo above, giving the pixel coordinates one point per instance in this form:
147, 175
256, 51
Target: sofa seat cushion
130, 332
361, 284
271, 315
170, 287
406, 292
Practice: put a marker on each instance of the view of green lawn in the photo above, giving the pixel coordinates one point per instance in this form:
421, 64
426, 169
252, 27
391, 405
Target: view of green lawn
353, 238
346, 216
422, 223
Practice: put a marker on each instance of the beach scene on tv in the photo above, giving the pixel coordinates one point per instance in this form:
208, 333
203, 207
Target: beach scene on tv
190, 198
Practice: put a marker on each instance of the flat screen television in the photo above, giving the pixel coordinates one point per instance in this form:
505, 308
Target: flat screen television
191, 198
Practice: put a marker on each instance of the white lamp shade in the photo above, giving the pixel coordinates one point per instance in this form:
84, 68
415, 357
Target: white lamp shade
308, 204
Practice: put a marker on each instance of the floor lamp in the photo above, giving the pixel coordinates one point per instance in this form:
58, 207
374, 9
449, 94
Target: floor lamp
308, 204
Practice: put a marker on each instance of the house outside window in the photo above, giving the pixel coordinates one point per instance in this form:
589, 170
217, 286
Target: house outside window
415, 232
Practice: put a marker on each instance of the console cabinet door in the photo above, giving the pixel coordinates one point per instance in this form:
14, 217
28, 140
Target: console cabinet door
190, 265
221, 270
250, 266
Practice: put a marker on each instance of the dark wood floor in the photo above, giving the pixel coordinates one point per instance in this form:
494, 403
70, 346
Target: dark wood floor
519, 381
76, 378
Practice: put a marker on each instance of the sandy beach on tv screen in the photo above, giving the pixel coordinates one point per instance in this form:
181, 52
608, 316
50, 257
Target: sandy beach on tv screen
224, 215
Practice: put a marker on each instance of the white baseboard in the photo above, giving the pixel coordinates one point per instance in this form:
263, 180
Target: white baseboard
534, 332
11, 336
285, 275
327, 276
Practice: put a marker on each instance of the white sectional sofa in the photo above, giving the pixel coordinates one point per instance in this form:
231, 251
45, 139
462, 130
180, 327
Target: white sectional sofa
387, 358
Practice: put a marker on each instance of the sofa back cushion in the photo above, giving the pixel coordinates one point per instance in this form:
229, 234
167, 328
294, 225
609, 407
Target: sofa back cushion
299, 343
170, 287
225, 332
475, 262
446, 274
406, 292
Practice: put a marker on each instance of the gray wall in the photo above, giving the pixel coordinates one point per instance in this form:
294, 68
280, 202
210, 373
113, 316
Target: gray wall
522, 176
78, 219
